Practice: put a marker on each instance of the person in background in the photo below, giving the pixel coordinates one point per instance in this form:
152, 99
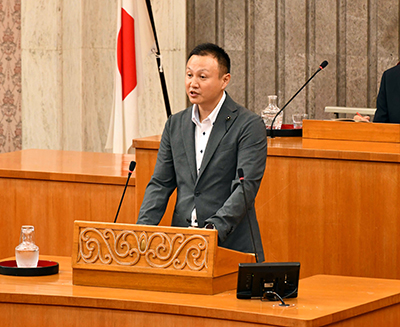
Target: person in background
200, 152
388, 100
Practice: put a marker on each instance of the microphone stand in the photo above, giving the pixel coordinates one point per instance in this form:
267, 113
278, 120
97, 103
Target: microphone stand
131, 169
322, 66
241, 179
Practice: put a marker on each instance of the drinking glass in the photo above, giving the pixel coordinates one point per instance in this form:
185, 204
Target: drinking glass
298, 120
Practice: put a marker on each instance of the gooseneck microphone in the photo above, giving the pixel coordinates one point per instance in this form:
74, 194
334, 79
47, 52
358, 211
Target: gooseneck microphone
241, 178
132, 166
322, 66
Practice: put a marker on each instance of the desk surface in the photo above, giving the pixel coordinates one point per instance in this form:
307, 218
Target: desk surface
90, 167
322, 299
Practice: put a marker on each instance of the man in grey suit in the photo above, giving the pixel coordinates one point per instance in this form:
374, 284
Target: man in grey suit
200, 153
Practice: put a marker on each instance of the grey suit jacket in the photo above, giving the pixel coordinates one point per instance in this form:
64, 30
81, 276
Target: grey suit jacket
238, 140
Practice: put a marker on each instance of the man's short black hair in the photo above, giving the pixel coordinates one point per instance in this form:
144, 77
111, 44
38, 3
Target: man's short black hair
211, 49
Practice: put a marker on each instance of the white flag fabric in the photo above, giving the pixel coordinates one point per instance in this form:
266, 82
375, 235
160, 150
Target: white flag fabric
135, 39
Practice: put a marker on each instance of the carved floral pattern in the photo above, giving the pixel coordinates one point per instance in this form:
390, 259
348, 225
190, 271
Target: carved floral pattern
158, 249
10, 76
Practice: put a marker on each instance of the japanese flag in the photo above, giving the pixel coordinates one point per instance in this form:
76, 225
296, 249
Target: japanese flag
135, 39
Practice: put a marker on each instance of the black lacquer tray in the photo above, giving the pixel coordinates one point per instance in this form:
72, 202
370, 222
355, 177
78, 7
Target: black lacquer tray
44, 268
286, 130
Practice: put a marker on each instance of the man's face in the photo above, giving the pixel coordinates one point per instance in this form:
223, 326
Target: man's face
204, 85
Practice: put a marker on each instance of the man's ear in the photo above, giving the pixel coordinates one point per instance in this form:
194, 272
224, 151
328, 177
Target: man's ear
226, 78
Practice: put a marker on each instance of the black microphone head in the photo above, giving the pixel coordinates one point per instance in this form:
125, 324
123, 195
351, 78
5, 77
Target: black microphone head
240, 173
323, 64
132, 166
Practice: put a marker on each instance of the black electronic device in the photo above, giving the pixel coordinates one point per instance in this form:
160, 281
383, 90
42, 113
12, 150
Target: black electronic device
268, 280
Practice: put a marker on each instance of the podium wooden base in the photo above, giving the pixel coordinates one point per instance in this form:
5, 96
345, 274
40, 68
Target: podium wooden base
155, 282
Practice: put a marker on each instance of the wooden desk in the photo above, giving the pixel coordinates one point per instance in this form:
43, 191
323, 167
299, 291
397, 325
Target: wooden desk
337, 211
50, 189
323, 301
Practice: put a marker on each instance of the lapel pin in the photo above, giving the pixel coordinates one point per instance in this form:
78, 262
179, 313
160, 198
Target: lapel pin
228, 118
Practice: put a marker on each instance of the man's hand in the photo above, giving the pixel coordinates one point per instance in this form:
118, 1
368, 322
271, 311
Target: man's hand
209, 226
361, 118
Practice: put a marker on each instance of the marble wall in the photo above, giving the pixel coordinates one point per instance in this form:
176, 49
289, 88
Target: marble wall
68, 55
275, 45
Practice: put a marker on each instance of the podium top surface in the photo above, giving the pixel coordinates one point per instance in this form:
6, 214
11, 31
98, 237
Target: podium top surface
322, 299
73, 166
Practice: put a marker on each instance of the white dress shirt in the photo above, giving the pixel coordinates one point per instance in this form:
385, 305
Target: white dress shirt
202, 133
203, 129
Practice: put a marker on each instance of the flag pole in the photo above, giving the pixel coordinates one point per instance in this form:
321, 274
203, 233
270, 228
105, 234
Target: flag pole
158, 58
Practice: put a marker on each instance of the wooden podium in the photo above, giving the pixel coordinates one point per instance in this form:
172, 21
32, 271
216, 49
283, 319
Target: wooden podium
352, 136
185, 260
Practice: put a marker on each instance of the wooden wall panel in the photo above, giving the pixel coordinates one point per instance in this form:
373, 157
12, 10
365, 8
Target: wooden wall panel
334, 216
52, 206
50, 189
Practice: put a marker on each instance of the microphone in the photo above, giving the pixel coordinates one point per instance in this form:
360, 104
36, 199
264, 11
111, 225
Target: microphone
322, 66
241, 178
132, 166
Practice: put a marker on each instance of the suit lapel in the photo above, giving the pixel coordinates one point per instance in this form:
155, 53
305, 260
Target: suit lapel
187, 130
224, 121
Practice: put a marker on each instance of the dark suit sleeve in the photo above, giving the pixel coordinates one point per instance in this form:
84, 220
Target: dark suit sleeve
251, 157
382, 114
161, 185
